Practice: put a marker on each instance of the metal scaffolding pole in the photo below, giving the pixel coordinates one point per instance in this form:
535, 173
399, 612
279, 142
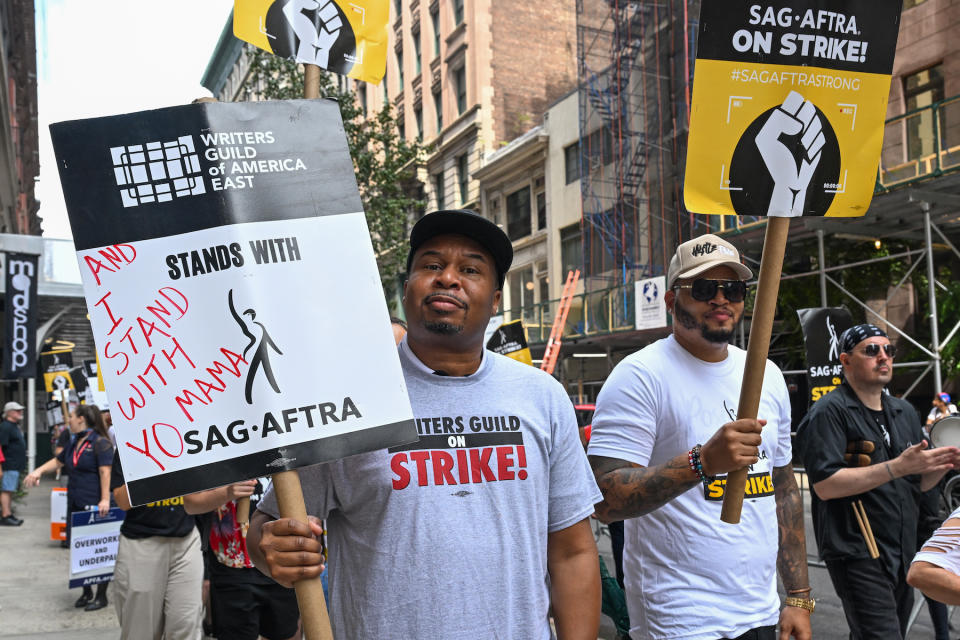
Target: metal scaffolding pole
932, 290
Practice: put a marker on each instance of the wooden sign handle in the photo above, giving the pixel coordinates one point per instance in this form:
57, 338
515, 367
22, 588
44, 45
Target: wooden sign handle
764, 308
243, 515
286, 484
313, 606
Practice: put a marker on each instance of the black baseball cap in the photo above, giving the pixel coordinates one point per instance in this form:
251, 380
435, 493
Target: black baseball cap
466, 223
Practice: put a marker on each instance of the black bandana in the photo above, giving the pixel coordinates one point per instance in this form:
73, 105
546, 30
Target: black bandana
855, 335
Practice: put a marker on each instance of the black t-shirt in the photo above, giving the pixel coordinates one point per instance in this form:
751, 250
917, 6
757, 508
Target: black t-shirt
893, 507
82, 461
163, 518
14, 447
63, 440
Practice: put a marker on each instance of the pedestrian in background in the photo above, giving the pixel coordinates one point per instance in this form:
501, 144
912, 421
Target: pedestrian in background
867, 503
159, 573
14, 450
246, 604
87, 458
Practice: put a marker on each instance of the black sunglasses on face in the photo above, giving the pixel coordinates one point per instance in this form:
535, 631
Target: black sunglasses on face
872, 350
705, 290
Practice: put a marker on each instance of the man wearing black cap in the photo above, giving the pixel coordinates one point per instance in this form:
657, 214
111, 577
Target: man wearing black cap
865, 453
480, 528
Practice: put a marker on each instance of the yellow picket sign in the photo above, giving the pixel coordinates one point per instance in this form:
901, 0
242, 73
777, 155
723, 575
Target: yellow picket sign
348, 37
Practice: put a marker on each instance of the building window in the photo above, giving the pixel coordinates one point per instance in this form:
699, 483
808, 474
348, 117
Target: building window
571, 161
400, 70
463, 177
401, 128
600, 147
457, 12
920, 90
416, 54
383, 83
460, 85
521, 291
571, 248
438, 105
518, 214
438, 190
435, 20
541, 211
398, 8
362, 95
418, 117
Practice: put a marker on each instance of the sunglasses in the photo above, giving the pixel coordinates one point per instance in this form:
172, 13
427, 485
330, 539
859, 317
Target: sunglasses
872, 350
705, 290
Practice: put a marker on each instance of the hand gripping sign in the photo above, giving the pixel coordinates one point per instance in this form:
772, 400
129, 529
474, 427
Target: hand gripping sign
349, 38
786, 120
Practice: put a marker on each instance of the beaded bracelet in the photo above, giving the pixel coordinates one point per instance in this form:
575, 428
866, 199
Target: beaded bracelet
693, 457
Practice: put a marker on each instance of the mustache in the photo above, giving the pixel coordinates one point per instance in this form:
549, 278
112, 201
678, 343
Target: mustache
446, 296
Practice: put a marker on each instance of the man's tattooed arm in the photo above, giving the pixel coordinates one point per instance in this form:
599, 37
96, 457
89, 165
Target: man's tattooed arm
630, 490
792, 554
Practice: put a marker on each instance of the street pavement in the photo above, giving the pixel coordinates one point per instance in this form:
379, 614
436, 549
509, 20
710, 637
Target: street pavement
35, 603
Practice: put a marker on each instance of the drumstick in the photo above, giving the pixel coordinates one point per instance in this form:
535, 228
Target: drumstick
866, 522
865, 530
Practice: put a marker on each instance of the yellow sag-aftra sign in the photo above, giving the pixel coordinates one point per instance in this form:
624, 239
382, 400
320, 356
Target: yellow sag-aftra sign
788, 106
348, 37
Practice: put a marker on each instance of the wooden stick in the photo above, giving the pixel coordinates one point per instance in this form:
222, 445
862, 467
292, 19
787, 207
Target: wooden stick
243, 515
768, 284
866, 523
313, 606
865, 529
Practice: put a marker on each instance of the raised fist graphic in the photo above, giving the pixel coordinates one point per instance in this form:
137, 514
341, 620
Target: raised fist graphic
791, 175
314, 46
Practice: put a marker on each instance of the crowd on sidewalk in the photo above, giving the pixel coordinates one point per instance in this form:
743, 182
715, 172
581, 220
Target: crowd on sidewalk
510, 553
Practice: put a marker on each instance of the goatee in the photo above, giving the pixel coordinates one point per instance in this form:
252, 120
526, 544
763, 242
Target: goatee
443, 328
687, 321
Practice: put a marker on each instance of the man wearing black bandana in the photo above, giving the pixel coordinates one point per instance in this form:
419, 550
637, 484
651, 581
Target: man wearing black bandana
862, 445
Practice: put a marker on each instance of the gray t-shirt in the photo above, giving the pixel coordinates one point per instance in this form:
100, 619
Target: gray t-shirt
447, 537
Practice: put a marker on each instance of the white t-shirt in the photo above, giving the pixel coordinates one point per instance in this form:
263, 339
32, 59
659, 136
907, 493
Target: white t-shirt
447, 537
935, 413
687, 574
947, 540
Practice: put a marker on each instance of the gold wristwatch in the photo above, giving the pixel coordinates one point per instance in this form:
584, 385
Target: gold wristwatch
804, 603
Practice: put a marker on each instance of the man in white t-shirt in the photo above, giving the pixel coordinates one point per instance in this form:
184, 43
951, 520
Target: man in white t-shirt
665, 434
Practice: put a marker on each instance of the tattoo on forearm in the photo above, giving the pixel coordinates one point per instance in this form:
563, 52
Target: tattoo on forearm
792, 554
630, 490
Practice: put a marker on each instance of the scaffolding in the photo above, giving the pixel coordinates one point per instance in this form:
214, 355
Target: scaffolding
635, 64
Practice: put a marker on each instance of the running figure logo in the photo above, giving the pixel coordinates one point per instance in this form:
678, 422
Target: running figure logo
834, 353
261, 355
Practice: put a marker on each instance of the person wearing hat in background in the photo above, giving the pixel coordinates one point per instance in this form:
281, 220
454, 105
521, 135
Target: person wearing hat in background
942, 407
664, 434
868, 461
15, 461
481, 527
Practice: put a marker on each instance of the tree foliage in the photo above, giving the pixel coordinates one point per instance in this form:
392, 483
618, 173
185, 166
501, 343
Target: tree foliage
385, 163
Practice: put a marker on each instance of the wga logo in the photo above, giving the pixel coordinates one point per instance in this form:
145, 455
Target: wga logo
261, 348
157, 171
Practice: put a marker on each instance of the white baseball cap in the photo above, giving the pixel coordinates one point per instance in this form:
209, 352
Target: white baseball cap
12, 406
700, 254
